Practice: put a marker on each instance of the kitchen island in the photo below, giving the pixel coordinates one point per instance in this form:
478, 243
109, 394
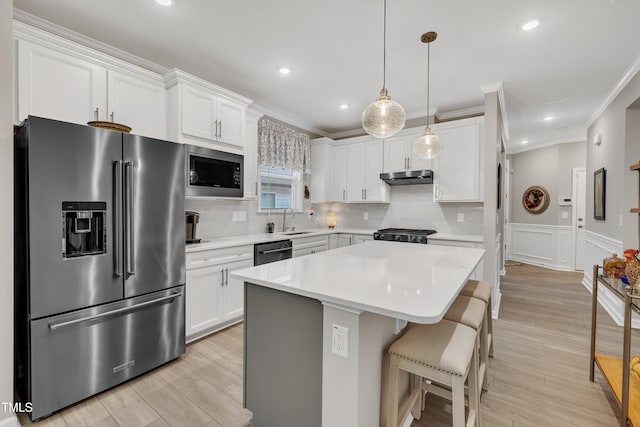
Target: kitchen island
316, 327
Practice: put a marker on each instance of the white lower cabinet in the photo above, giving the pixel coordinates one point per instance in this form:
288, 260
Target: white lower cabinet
213, 298
477, 273
361, 238
310, 245
345, 240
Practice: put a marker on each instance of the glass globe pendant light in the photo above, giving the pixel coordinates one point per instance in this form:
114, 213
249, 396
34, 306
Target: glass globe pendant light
428, 146
383, 117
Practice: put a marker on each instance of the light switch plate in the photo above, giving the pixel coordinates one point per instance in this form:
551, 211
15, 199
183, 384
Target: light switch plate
461, 217
242, 215
565, 215
366, 216
234, 216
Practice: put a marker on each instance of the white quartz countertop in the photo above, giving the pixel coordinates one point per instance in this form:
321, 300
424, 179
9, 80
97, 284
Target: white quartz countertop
405, 281
250, 239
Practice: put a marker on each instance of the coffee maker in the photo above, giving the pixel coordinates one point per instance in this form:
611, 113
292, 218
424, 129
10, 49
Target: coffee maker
191, 222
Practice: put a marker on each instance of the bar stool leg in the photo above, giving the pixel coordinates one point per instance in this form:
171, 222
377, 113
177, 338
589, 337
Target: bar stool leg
473, 378
392, 392
490, 326
484, 349
457, 400
416, 383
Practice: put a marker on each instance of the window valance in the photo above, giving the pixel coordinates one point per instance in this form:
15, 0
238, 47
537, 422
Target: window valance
282, 147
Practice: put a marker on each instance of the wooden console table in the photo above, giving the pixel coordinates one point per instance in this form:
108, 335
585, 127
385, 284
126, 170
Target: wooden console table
615, 370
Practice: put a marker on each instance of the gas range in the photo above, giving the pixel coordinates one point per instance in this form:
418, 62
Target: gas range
403, 235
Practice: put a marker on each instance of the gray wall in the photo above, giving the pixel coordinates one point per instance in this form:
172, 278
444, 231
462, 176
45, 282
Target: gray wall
617, 151
549, 167
6, 212
632, 155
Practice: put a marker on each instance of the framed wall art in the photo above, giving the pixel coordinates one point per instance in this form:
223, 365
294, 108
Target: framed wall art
535, 199
599, 193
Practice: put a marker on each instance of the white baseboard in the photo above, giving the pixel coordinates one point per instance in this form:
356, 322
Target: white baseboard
495, 310
11, 421
531, 243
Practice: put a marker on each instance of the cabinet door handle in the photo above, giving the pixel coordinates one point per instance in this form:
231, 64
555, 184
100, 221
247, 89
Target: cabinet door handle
220, 131
362, 194
226, 280
409, 161
97, 113
222, 277
111, 117
365, 194
405, 163
344, 194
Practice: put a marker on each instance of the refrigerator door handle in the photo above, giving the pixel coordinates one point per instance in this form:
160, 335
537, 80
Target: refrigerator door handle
128, 218
117, 217
54, 326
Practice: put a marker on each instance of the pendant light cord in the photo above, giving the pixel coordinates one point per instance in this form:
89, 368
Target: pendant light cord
428, 64
384, 46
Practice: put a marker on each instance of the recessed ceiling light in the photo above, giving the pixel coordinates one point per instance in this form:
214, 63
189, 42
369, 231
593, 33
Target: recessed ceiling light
285, 70
530, 24
343, 106
547, 118
524, 142
164, 2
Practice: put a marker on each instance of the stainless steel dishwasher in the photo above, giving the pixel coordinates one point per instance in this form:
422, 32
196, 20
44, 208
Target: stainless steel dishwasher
264, 253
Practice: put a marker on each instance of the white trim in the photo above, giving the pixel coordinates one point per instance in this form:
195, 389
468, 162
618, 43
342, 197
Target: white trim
542, 237
433, 112
598, 247
528, 147
495, 310
253, 114
288, 118
624, 80
498, 87
175, 76
574, 210
342, 307
25, 23
465, 112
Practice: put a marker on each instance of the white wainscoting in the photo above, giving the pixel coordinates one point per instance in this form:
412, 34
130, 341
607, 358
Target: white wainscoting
11, 421
551, 246
597, 248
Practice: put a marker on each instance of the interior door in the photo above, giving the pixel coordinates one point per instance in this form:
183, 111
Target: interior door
154, 177
579, 196
69, 163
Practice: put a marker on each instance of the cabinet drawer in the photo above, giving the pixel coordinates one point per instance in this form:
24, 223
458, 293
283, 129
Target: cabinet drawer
219, 256
310, 242
311, 250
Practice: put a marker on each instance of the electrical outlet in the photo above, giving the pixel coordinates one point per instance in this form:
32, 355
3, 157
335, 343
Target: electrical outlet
461, 217
366, 216
340, 341
242, 215
234, 216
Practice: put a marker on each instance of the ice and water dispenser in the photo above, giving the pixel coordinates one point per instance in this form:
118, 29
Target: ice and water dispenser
84, 229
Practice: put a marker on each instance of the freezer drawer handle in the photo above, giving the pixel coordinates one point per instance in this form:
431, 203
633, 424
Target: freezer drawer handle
54, 326
274, 251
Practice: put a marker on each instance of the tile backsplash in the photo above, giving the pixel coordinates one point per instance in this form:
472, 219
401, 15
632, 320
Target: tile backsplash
411, 206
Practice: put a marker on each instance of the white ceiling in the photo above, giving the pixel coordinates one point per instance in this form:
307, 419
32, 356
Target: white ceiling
565, 67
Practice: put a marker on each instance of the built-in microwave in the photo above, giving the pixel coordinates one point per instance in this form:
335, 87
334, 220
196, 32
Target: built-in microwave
213, 173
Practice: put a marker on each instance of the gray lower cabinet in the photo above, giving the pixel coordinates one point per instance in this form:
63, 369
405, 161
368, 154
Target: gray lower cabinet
283, 358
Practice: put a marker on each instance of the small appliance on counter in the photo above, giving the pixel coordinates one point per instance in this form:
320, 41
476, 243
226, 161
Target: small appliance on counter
191, 222
403, 235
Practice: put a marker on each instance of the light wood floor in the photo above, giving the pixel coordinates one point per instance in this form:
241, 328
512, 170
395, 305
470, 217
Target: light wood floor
538, 376
539, 373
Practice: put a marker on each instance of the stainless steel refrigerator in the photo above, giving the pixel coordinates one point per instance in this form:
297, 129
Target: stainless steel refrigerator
100, 259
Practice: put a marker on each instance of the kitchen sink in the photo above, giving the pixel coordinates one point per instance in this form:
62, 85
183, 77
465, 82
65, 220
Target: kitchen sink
293, 233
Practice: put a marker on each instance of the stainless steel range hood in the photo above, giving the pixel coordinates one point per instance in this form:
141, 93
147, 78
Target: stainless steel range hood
408, 177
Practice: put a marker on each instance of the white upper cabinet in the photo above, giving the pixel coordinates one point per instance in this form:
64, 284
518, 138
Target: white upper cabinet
339, 193
204, 114
348, 171
58, 86
400, 155
65, 81
137, 103
458, 170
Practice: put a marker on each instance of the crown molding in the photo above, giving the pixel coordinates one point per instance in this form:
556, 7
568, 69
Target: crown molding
433, 112
464, 112
622, 83
176, 76
347, 133
253, 114
499, 88
534, 146
288, 118
50, 27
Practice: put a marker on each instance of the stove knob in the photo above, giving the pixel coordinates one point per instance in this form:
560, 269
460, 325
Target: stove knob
376, 236
397, 238
423, 239
413, 238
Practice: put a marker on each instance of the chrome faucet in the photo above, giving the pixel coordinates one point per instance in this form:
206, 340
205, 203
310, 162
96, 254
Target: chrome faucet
284, 218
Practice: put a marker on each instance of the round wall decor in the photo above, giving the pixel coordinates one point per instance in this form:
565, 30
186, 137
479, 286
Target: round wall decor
535, 199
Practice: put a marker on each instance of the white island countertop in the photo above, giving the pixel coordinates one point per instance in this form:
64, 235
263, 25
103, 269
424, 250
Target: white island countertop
405, 281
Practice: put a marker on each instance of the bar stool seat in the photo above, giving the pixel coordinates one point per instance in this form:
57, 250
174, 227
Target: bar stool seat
482, 290
472, 312
445, 352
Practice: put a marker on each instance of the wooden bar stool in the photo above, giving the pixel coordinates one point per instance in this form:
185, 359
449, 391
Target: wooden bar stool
472, 312
482, 290
446, 353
